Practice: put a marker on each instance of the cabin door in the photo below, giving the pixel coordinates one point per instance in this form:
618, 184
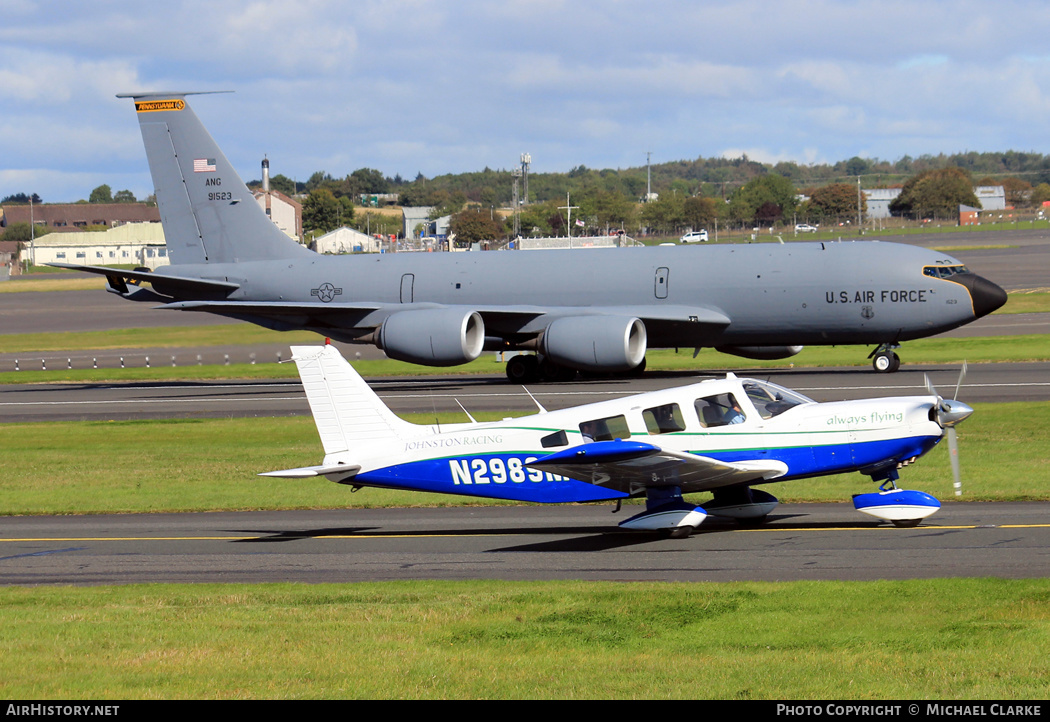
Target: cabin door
661, 282
408, 282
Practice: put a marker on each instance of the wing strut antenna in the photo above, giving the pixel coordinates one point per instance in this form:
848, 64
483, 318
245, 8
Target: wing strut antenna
472, 419
538, 404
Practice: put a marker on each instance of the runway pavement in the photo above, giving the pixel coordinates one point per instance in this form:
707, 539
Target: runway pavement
802, 541
212, 399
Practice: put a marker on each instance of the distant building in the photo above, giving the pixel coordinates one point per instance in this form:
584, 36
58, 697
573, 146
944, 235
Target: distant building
968, 216
8, 259
286, 213
879, 200
374, 200
138, 244
347, 240
417, 216
73, 217
992, 198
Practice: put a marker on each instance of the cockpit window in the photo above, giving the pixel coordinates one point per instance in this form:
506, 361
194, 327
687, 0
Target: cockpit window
944, 271
772, 400
718, 410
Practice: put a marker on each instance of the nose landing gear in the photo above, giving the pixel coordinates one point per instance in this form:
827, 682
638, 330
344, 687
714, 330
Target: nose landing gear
883, 358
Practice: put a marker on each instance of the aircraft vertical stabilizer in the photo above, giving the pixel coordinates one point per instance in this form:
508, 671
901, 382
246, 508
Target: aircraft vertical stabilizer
209, 215
347, 412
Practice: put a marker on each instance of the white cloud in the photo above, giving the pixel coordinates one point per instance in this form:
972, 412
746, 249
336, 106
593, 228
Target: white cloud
434, 86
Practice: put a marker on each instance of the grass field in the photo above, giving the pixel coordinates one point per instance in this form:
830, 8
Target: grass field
946, 639
211, 464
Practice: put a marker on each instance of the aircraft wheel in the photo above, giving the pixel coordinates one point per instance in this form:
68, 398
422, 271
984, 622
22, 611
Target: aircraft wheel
906, 523
523, 369
886, 362
682, 532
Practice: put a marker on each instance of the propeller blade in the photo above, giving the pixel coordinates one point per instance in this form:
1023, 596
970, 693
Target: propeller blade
953, 455
929, 386
962, 375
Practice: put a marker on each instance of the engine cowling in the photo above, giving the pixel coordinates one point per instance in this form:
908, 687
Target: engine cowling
595, 343
433, 336
760, 353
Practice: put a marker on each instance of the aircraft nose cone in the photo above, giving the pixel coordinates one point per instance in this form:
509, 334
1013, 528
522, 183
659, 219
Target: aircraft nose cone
986, 295
952, 412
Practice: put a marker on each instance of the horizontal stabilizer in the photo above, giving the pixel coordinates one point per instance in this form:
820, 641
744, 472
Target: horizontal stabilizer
309, 471
176, 286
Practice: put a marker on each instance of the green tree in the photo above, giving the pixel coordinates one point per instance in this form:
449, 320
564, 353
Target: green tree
1018, 192
666, 214
835, 200
369, 180
124, 196
1041, 194
283, 184
763, 200
102, 194
22, 232
20, 199
700, 212
474, 225
937, 193
321, 211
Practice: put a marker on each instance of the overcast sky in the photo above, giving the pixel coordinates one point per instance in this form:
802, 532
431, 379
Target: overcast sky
447, 86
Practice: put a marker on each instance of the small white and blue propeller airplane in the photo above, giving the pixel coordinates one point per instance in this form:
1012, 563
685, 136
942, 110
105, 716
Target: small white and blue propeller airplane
721, 436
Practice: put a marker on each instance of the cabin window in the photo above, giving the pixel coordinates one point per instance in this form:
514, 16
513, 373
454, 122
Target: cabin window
664, 419
558, 438
719, 410
607, 429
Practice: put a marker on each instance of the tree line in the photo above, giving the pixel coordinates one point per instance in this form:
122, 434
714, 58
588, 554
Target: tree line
731, 192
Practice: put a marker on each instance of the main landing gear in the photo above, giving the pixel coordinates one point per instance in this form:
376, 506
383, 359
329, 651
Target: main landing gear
883, 358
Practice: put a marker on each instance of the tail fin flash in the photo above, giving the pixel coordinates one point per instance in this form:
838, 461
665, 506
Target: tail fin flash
347, 412
209, 215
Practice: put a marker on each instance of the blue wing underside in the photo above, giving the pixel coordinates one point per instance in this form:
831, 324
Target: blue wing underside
632, 466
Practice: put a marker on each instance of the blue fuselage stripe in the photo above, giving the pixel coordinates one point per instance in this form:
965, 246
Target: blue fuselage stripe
505, 476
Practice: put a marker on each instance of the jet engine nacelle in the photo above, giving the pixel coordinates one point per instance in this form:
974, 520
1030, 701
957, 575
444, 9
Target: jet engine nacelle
761, 353
595, 343
433, 336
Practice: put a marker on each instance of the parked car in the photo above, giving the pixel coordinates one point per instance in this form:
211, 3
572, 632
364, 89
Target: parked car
694, 237
805, 228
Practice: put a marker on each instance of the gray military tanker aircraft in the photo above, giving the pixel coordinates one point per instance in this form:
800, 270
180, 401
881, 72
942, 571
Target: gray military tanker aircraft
592, 311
